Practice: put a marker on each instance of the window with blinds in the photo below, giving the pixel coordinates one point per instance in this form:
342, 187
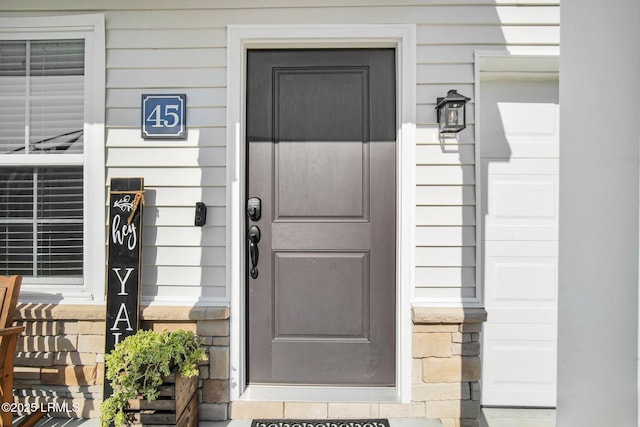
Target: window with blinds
41, 135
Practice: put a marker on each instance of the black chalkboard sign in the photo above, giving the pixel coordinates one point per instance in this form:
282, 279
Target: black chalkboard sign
126, 198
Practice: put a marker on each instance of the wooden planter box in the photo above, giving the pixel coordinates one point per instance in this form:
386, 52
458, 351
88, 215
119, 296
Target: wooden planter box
177, 404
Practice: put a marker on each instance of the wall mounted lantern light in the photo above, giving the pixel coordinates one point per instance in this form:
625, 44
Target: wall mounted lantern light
451, 112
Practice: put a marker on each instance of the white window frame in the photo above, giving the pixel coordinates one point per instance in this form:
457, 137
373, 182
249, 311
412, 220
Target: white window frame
91, 28
401, 37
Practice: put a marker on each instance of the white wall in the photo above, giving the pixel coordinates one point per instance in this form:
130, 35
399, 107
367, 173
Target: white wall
180, 47
599, 175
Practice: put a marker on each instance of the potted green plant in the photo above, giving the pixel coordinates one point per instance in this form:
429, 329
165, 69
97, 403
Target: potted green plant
139, 364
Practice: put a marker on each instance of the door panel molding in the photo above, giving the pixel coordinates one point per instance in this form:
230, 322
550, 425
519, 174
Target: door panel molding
336, 81
403, 39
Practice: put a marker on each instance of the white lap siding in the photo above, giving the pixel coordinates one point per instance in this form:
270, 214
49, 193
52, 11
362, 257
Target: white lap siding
180, 47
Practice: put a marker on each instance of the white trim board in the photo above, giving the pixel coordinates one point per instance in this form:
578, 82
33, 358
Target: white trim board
403, 39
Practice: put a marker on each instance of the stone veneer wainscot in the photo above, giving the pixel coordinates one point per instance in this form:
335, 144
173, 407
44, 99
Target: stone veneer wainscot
60, 357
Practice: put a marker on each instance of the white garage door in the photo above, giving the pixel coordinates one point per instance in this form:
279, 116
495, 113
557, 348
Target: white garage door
519, 169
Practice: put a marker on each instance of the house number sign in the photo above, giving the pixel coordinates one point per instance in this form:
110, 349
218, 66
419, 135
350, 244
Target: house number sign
164, 116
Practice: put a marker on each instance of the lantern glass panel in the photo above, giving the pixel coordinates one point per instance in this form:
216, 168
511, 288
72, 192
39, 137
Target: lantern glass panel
452, 118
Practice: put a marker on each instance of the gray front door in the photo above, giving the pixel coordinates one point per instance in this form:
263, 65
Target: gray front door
321, 130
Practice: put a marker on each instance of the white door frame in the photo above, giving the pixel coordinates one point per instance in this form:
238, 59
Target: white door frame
239, 39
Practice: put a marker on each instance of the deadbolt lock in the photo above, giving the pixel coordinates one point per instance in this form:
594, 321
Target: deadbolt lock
254, 208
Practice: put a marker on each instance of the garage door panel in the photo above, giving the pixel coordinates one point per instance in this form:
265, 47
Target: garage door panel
521, 207
530, 282
532, 148
521, 379
542, 231
524, 198
527, 115
514, 397
532, 325
524, 354
521, 248
521, 166
517, 123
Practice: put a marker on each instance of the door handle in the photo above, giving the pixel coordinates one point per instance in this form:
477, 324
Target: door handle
254, 237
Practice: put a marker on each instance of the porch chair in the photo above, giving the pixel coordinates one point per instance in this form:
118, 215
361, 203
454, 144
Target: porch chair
9, 291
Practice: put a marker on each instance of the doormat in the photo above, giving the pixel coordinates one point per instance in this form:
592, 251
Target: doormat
321, 423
